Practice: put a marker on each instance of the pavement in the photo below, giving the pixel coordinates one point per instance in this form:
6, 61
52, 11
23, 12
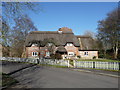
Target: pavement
36, 76
99, 72
12, 67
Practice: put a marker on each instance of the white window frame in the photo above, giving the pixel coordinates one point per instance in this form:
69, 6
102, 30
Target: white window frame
50, 44
47, 54
34, 44
86, 53
71, 53
69, 44
33, 54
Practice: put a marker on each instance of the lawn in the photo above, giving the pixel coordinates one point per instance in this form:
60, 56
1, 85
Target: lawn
101, 60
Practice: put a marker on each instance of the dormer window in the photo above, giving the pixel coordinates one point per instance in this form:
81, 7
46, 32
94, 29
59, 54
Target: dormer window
34, 44
69, 44
49, 44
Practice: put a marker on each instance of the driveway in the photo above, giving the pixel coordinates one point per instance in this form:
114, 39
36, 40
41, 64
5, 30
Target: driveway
49, 77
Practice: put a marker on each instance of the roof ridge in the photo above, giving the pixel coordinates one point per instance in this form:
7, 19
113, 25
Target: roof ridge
49, 32
82, 36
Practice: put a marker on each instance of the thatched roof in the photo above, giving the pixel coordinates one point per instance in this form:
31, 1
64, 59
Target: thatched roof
59, 39
61, 49
86, 43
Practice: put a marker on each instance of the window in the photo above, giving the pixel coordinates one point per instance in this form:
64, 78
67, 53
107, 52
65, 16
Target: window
34, 44
85, 53
34, 53
71, 53
49, 44
69, 44
47, 54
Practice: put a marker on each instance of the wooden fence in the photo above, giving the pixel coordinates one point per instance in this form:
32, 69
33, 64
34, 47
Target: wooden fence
97, 65
60, 62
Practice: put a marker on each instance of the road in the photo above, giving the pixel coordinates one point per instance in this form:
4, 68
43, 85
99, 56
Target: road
50, 77
11, 67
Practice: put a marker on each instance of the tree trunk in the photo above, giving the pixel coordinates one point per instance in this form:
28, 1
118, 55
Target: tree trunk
115, 52
39, 52
24, 52
105, 53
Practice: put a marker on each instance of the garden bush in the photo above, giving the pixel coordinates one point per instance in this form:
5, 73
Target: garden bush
94, 57
79, 56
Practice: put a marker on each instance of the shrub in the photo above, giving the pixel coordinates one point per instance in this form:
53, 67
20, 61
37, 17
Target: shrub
78, 56
101, 55
108, 56
94, 57
52, 56
56, 56
71, 61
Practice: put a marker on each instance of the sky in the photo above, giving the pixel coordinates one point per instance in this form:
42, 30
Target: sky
79, 16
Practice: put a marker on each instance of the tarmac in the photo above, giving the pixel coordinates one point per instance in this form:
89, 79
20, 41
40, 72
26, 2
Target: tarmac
99, 72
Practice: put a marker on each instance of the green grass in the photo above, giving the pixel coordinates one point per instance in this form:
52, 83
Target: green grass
79, 68
102, 69
101, 60
57, 66
7, 80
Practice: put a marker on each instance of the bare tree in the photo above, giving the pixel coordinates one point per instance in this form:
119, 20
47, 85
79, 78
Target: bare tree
23, 25
109, 31
4, 33
16, 9
89, 33
12, 11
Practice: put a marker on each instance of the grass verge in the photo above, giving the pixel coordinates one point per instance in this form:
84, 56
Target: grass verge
101, 69
79, 68
7, 80
99, 60
57, 66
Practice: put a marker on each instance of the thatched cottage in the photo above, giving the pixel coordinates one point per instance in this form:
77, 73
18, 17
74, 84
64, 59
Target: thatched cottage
44, 43
87, 47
